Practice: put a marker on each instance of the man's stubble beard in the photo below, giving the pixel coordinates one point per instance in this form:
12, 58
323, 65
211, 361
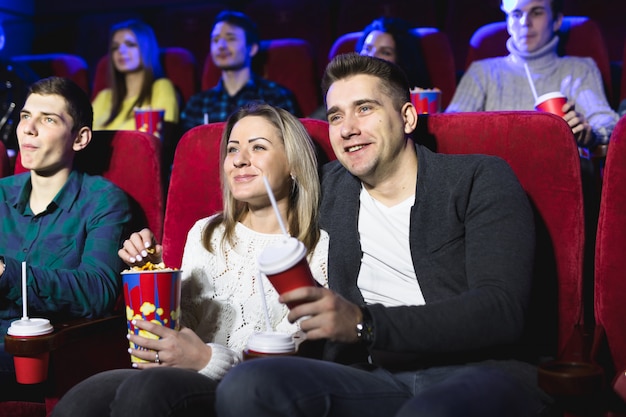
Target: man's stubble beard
232, 67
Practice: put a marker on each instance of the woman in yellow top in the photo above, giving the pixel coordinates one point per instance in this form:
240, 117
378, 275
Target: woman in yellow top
136, 80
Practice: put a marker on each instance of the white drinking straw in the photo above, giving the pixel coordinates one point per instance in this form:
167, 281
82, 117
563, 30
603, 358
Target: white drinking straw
530, 81
268, 322
206, 118
273, 200
24, 293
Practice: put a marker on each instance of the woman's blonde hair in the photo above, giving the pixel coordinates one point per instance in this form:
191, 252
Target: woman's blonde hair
303, 207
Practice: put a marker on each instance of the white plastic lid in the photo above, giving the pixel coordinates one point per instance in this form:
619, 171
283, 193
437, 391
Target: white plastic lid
30, 327
271, 342
548, 96
281, 256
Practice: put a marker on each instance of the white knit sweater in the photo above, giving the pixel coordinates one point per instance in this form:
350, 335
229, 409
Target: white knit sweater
220, 294
496, 84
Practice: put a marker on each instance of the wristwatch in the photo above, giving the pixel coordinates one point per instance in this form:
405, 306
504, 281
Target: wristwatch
365, 328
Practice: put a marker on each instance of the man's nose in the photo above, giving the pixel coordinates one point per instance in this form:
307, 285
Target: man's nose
27, 126
349, 126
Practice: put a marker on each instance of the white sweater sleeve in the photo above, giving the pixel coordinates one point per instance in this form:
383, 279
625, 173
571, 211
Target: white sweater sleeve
222, 360
220, 298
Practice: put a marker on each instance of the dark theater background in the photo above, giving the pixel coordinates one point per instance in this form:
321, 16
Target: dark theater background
81, 27
73, 34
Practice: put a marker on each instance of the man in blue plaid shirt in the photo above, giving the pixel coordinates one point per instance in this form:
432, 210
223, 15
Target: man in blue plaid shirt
234, 42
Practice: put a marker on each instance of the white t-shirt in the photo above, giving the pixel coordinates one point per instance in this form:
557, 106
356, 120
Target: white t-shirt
387, 276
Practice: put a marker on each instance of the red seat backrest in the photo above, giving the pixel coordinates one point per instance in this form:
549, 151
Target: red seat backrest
517, 137
289, 62
610, 262
195, 188
318, 130
131, 160
179, 65
437, 54
580, 36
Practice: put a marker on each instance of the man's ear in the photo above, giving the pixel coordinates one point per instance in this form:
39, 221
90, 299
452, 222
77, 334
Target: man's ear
409, 114
558, 21
254, 48
82, 139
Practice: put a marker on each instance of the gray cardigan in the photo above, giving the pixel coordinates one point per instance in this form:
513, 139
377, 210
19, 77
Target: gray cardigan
472, 243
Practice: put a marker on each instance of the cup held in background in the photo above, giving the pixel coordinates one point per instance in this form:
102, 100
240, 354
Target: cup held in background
552, 103
31, 369
426, 100
152, 296
150, 120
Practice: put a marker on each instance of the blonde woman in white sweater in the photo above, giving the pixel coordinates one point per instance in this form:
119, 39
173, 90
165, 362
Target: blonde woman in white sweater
221, 305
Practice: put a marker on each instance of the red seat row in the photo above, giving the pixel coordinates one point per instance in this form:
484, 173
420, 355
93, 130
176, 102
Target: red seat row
557, 315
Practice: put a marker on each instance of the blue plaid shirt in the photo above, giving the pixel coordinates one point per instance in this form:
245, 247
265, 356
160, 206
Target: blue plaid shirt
70, 249
218, 105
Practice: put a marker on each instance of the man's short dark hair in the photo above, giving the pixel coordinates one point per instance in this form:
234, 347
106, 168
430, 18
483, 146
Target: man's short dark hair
242, 21
392, 78
76, 99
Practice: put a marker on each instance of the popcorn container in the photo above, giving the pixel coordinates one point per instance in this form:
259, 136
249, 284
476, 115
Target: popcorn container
426, 101
152, 296
150, 120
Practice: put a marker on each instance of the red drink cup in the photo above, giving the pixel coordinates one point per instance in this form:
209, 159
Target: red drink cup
551, 103
426, 101
152, 296
31, 369
268, 344
286, 267
149, 120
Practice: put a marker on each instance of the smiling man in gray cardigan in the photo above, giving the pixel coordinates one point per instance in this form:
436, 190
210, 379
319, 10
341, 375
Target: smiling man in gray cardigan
430, 265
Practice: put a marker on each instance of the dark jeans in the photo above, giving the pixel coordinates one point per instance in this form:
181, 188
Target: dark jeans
155, 392
299, 387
